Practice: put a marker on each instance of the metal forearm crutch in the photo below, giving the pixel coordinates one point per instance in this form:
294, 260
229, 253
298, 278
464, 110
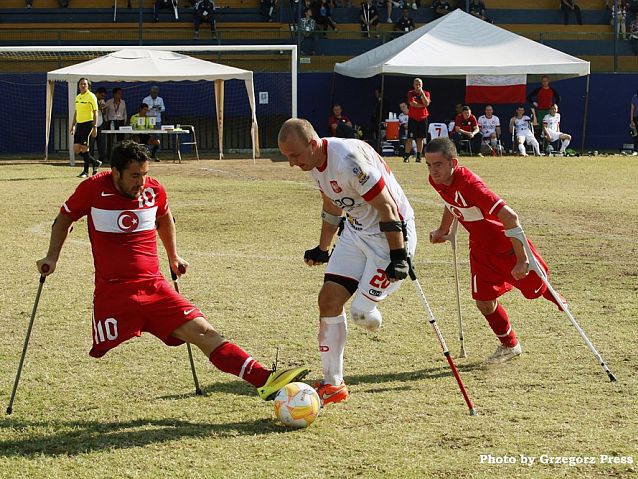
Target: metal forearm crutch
451, 237
519, 234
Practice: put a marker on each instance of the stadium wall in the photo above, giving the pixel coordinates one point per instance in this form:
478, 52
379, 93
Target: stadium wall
22, 121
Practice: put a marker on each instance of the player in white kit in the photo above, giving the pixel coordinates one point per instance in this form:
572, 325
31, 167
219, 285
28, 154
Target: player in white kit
522, 131
371, 256
490, 126
551, 129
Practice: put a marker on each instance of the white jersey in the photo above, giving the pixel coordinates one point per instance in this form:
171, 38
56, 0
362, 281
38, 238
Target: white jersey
403, 119
522, 125
353, 175
552, 123
438, 130
488, 125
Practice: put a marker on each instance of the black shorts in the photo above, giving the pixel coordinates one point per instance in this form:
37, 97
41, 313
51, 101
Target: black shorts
417, 129
83, 133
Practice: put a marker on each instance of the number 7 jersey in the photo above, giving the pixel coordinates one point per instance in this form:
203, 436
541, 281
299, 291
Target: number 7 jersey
121, 229
354, 174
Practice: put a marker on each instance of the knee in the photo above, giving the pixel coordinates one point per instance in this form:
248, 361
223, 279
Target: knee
486, 307
329, 305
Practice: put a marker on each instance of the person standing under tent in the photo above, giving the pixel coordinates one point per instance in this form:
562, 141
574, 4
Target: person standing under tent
418, 101
116, 116
155, 109
497, 263
371, 256
84, 126
126, 209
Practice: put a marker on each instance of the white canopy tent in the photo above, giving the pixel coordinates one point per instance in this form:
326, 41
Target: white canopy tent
459, 44
137, 64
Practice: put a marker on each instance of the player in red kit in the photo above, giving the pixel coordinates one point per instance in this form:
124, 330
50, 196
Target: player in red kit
124, 207
497, 263
418, 101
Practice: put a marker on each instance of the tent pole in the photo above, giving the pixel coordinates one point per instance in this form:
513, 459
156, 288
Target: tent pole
582, 143
380, 117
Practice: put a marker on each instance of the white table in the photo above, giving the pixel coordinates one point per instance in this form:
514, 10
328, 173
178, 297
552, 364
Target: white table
175, 132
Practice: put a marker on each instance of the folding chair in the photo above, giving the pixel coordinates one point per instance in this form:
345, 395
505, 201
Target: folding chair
190, 128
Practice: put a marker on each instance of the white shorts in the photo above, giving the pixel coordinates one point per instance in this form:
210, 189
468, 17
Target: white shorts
365, 258
554, 135
528, 136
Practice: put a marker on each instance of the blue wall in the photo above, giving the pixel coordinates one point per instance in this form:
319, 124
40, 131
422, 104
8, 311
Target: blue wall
23, 98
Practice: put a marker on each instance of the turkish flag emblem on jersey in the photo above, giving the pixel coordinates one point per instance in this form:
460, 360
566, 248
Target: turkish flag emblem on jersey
335, 186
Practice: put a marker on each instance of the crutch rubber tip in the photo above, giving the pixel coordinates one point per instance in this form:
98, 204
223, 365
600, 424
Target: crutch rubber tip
199, 392
9, 411
473, 412
612, 378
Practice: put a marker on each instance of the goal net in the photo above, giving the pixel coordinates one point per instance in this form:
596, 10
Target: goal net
23, 84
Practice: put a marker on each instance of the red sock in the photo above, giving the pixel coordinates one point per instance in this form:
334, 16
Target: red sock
549, 297
232, 359
501, 326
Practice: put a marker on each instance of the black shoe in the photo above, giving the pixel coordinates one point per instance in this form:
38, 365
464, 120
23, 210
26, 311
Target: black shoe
406, 159
418, 159
84, 174
155, 158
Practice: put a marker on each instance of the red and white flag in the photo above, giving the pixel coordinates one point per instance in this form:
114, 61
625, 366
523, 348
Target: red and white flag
495, 88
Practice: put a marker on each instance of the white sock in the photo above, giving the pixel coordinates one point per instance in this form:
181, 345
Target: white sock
521, 148
563, 145
536, 147
333, 332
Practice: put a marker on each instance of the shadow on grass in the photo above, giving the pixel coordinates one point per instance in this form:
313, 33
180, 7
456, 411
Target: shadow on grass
79, 437
240, 388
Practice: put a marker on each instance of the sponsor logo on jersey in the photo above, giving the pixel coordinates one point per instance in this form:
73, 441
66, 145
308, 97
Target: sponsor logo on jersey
324, 349
189, 311
374, 292
104, 193
361, 175
335, 186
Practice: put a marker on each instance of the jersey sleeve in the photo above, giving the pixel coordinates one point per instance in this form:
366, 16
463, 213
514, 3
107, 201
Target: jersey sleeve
477, 193
93, 102
79, 203
161, 199
362, 176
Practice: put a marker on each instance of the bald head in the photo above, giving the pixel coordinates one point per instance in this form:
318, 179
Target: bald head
296, 128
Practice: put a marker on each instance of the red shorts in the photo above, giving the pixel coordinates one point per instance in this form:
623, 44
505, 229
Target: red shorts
124, 310
492, 275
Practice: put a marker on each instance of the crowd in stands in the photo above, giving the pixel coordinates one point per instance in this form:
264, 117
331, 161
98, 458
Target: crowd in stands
539, 130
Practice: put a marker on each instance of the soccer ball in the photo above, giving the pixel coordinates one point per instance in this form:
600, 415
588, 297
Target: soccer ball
297, 405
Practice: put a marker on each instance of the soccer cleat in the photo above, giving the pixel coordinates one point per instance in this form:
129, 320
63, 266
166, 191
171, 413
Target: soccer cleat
278, 379
503, 353
331, 394
84, 174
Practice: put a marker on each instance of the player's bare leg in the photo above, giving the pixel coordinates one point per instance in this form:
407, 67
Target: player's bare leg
333, 331
499, 322
230, 358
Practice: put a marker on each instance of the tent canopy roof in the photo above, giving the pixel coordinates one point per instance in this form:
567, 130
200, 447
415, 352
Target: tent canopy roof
148, 65
460, 44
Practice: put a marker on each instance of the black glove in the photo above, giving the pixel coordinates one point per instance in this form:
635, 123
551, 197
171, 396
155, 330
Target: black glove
399, 267
317, 255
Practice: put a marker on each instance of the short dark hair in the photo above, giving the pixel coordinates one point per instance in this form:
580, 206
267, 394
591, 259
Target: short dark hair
443, 145
87, 80
127, 152
116, 89
101, 90
466, 108
143, 105
520, 106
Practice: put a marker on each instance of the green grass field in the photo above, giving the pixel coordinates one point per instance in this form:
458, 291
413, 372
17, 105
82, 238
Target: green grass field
244, 229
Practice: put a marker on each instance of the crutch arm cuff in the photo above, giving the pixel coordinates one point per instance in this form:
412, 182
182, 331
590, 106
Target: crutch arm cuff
515, 232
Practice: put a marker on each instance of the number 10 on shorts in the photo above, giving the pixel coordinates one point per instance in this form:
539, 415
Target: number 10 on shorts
104, 330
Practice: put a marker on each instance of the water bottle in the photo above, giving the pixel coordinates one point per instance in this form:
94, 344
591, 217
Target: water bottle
112, 125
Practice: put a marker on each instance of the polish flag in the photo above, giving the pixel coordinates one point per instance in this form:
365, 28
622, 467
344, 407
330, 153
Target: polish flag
495, 88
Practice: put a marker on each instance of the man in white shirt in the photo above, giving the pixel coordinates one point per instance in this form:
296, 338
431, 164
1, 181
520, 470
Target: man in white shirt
116, 116
490, 127
521, 130
155, 109
551, 129
371, 257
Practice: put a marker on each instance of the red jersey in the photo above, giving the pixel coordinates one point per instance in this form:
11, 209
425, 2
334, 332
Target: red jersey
545, 98
466, 124
121, 229
417, 113
333, 120
476, 207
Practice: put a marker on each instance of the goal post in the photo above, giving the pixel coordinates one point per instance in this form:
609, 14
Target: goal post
275, 89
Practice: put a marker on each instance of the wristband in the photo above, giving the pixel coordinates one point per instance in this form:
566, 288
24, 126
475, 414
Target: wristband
398, 255
391, 226
330, 218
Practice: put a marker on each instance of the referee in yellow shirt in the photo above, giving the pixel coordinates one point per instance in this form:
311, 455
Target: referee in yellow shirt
84, 126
